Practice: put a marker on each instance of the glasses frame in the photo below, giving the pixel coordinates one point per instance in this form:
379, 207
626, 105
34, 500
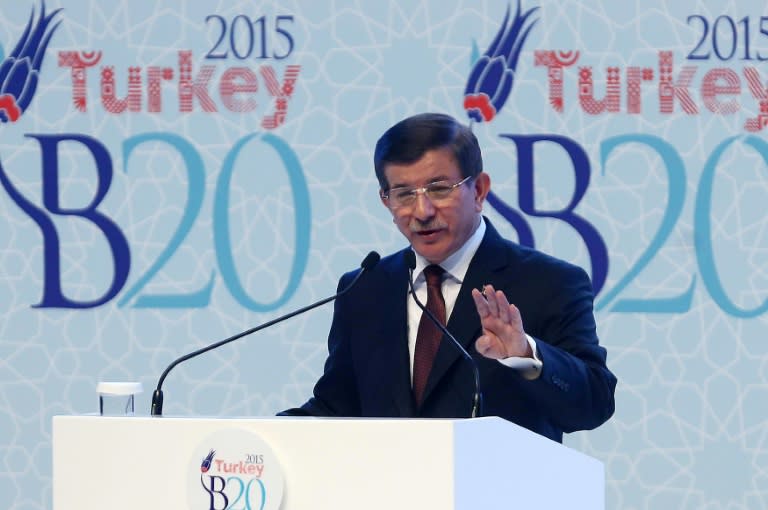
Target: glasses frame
420, 190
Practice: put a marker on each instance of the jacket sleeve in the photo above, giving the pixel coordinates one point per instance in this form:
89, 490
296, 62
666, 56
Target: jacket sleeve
575, 388
335, 392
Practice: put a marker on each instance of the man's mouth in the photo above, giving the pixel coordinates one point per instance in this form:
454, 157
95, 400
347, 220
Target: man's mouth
426, 233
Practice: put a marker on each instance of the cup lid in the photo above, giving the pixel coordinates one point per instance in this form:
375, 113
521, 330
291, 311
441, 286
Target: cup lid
119, 388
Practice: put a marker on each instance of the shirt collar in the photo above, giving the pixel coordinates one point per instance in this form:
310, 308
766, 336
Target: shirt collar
457, 263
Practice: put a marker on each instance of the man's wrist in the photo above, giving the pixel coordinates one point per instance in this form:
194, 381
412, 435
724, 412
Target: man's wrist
529, 366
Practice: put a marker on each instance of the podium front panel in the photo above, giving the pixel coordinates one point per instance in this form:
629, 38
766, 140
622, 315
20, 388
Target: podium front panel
335, 464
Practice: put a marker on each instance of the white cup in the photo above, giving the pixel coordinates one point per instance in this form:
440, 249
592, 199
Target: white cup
117, 398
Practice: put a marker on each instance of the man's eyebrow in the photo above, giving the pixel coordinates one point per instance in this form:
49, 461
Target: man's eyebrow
437, 178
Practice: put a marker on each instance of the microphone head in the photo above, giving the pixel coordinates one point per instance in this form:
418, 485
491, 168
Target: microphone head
370, 260
410, 259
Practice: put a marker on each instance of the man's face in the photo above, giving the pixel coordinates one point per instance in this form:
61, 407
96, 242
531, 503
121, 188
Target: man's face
437, 228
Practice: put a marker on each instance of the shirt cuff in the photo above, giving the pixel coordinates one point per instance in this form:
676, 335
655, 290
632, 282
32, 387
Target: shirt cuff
529, 368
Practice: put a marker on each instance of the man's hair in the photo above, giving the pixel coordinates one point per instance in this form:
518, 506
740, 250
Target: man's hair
408, 140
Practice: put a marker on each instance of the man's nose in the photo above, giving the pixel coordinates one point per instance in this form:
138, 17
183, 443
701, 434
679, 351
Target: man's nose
423, 208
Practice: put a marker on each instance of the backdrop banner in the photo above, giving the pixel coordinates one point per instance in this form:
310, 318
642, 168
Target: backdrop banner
174, 172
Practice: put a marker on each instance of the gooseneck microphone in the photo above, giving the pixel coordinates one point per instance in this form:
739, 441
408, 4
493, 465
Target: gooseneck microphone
410, 260
157, 397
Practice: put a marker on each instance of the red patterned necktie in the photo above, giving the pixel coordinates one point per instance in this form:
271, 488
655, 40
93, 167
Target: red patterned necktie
429, 335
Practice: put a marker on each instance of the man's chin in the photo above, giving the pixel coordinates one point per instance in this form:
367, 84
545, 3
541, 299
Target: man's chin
430, 251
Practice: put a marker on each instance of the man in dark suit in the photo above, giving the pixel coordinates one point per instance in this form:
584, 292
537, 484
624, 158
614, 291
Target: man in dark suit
525, 317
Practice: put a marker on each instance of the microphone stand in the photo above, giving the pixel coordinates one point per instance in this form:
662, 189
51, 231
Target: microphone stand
476, 397
157, 396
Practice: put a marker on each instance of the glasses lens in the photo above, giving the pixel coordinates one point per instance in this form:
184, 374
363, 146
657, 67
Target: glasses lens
402, 196
439, 190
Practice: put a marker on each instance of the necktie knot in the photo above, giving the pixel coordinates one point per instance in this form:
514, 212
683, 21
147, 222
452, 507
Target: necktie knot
434, 276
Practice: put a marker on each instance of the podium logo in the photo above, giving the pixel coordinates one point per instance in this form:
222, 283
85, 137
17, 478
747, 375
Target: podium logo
239, 471
20, 70
206, 465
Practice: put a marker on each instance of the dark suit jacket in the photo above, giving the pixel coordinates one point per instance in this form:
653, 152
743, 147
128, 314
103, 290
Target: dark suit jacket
367, 373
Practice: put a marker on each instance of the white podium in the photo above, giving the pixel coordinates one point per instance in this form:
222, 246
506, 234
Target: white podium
334, 464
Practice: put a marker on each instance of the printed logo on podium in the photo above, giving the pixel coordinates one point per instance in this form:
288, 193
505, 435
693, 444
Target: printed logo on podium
234, 469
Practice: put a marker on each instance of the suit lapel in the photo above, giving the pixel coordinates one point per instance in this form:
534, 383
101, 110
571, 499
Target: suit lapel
394, 356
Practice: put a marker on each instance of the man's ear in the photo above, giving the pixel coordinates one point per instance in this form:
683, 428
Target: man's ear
481, 188
383, 200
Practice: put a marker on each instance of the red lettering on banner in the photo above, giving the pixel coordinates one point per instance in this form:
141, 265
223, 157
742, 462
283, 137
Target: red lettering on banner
760, 93
717, 82
282, 94
587, 96
79, 62
108, 96
190, 88
555, 62
719, 88
635, 77
238, 80
670, 89
195, 90
155, 77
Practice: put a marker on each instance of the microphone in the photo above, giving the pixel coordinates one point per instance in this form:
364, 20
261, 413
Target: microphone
157, 397
410, 260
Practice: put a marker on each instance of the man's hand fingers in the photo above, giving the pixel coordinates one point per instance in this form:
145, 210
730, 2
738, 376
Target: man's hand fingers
503, 305
481, 304
490, 296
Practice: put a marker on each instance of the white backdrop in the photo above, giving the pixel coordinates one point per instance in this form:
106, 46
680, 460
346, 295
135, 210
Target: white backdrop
231, 181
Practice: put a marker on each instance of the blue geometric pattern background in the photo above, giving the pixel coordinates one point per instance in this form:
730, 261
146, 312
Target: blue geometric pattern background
229, 223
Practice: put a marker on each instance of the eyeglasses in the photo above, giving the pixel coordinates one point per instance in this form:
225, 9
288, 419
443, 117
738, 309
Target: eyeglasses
405, 196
